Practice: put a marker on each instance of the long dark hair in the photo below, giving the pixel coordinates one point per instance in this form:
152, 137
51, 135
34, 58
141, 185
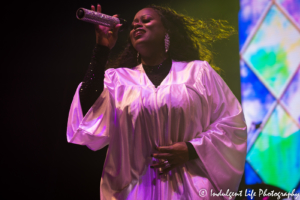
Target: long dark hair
190, 39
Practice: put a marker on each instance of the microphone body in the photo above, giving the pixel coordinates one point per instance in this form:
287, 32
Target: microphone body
100, 18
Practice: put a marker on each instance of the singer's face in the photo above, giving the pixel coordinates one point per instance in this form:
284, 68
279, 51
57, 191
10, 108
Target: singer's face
147, 30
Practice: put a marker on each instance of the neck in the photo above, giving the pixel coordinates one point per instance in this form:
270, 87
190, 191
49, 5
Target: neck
152, 58
152, 61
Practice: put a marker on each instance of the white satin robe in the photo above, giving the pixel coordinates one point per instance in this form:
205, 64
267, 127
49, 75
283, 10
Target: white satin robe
193, 104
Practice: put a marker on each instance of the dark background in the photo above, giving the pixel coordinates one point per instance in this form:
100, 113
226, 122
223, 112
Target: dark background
46, 53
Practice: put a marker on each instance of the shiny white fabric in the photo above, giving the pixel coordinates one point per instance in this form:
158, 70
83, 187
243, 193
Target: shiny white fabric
192, 103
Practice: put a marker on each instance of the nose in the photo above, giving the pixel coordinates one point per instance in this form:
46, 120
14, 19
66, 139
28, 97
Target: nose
136, 25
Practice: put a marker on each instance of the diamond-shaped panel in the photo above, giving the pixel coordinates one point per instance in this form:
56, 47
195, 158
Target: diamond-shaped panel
275, 155
249, 14
298, 189
291, 97
274, 51
293, 8
256, 100
251, 176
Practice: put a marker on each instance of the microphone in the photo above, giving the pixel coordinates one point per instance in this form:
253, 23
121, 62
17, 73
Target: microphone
100, 18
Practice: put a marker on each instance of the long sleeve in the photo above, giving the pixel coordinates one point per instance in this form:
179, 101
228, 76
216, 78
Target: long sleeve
222, 145
92, 84
94, 128
192, 152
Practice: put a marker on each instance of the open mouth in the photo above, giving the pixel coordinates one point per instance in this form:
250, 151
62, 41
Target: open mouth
138, 33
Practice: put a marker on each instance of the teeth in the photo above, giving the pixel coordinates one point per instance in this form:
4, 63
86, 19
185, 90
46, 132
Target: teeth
139, 32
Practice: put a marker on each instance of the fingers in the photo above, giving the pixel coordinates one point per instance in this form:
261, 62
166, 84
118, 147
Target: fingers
163, 167
99, 8
164, 171
165, 149
176, 155
116, 30
158, 165
166, 156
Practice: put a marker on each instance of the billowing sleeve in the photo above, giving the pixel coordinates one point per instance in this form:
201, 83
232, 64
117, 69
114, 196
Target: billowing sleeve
222, 145
93, 129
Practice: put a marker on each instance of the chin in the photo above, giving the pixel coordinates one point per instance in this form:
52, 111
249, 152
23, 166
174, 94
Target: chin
138, 42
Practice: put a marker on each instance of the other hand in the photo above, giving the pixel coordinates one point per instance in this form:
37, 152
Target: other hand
171, 156
104, 35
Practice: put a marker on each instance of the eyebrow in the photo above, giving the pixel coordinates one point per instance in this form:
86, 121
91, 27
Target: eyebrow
136, 19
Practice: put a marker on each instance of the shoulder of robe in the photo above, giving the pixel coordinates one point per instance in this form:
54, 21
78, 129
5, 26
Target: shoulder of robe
202, 64
204, 68
110, 77
191, 64
118, 71
196, 67
119, 74
115, 72
110, 72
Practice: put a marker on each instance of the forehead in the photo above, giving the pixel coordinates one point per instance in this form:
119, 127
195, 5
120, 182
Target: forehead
147, 11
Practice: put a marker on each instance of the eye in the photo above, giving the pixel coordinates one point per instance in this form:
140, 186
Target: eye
146, 20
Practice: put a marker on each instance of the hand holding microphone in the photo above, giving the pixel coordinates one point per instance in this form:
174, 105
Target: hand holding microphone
106, 27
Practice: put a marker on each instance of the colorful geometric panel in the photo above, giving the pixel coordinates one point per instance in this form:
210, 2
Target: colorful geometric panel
249, 15
251, 176
293, 8
256, 100
269, 33
298, 189
275, 154
291, 97
273, 53
249, 196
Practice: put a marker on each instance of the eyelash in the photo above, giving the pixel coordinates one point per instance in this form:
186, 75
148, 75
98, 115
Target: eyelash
143, 20
146, 20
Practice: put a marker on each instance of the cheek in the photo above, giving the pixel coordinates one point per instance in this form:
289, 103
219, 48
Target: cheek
157, 31
130, 35
157, 35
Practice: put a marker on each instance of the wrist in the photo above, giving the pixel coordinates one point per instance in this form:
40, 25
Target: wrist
100, 41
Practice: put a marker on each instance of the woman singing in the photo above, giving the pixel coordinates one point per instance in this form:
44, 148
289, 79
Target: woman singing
174, 128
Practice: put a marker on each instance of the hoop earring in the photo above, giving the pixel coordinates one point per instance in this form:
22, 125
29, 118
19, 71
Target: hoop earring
137, 57
167, 42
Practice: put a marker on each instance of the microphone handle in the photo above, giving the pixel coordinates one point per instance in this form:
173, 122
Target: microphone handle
99, 18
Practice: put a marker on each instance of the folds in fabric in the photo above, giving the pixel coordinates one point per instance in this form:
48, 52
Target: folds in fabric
193, 104
92, 129
222, 144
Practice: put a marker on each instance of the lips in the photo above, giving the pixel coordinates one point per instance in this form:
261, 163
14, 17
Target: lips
138, 33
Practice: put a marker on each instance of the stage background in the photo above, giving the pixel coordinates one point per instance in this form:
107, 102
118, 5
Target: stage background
269, 37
